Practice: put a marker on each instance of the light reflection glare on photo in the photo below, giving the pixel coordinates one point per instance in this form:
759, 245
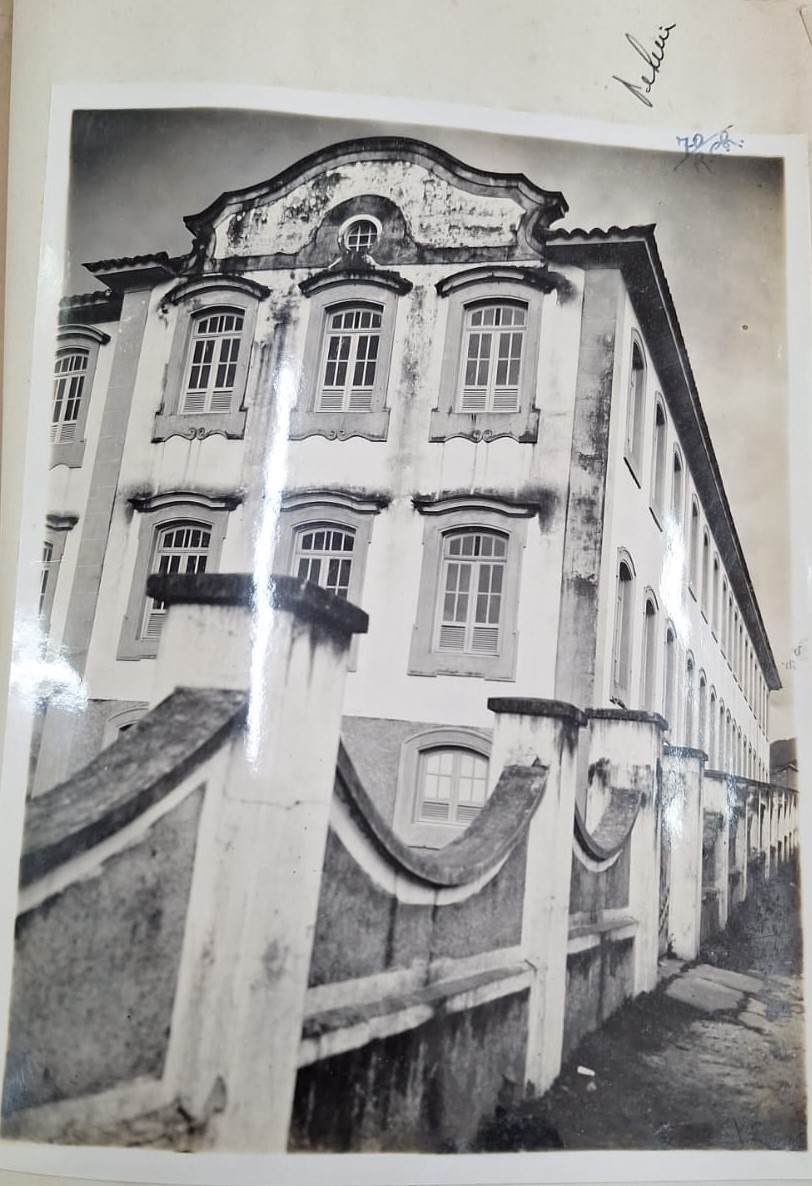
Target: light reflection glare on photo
273, 483
40, 672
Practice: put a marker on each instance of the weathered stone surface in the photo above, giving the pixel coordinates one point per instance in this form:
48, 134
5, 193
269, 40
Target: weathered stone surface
703, 994
734, 980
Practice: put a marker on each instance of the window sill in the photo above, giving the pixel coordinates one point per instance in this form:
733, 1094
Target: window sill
633, 467
69, 453
691, 590
485, 426
138, 648
339, 426
656, 516
475, 666
197, 426
436, 836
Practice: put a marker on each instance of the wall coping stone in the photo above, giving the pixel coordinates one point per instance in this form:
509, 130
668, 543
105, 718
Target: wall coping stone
534, 707
627, 714
685, 751
486, 842
123, 781
303, 599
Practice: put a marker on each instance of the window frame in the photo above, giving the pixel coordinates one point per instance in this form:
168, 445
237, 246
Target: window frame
326, 295
671, 677
636, 388
55, 535
121, 717
693, 549
195, 300
158, 514
299, 509
649, 652
417, 832
441, 519
659, 457
677, 505
623, 631
89, 341
467, 291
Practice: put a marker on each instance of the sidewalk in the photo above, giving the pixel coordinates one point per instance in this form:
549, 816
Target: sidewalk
712, 1059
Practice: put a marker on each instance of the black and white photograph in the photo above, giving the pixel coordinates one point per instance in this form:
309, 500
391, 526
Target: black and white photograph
413, 761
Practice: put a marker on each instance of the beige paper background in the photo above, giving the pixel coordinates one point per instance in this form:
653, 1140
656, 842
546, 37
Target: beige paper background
745, 62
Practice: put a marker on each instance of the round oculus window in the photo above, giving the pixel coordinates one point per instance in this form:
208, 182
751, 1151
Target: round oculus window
361, 235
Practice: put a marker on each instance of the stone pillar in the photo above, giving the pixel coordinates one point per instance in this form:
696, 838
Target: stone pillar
683, 775
631, 743
547, 730
237, 1020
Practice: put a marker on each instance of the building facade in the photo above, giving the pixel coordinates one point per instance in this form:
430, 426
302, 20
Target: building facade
386, 372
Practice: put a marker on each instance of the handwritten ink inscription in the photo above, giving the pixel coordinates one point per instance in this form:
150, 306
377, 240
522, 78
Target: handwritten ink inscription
698, 147
642, 89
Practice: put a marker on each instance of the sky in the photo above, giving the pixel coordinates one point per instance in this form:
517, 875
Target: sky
720, 233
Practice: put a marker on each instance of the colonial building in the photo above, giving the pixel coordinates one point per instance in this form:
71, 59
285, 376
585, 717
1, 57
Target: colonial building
384, 371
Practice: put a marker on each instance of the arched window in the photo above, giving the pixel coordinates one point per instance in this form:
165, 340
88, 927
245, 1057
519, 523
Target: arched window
690, 694
722, 751
451, 786
493, 341
670, 679
713, 755
723, 618
702, 740
70, 372
179, 533
442, 785
648, 694
214, 352
658, 464
323, 554
350, 358
636, 408
677, 489
179, 547
694, 548
471, 589
706, 574
714, 607
729, 757
622, 644
45, 574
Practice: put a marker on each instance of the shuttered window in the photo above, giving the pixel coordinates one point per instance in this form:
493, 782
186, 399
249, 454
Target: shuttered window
323, 554
452, 786
350, 359
179, 547
492, 358
70, 373
213, 357
471, 592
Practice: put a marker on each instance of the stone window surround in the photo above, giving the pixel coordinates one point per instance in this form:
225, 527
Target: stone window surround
120, 717
55, 534
328, 291
648, 664
90, 340
485, 285
194, 299
621, 692
659, 463
635, 411
158, 512
448, 515
694, 549
300, 508
405, 826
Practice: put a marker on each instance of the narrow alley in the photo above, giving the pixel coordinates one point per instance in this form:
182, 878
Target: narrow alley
712, 1059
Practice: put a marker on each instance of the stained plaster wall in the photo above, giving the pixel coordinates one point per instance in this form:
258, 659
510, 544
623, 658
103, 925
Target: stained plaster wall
427, 1090
91, 1006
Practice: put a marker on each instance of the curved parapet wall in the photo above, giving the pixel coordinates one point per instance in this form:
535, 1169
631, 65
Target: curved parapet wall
125, 780
481, 849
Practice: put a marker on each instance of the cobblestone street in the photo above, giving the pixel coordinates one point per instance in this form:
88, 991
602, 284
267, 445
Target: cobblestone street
712, 1059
